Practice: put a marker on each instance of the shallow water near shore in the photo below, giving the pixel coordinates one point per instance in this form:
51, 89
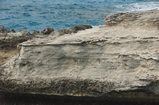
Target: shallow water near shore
33, 15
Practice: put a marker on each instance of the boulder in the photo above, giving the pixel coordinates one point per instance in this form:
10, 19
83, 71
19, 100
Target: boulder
103, 61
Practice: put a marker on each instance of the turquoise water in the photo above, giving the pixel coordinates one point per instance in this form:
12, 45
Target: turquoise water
39, 14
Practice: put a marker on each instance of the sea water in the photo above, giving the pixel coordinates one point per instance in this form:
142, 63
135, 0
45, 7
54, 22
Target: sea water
33, 15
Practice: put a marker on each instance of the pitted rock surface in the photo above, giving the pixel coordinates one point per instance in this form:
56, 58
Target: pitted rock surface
93, 62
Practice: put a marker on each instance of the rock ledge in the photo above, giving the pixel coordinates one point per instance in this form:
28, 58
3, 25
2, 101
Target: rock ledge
94, 62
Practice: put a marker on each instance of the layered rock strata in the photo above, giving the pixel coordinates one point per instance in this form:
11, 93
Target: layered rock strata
94, 62
9, 39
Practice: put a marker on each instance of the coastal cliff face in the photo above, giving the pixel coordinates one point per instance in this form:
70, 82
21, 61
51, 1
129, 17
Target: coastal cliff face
122, 56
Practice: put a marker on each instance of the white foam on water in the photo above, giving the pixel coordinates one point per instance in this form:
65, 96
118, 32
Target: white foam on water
141, 6
144, 6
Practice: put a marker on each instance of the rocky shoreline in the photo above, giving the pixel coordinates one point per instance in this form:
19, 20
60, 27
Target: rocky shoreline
113, 63
9, 39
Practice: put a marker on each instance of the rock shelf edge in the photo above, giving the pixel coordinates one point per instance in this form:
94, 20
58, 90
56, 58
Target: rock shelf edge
120, 59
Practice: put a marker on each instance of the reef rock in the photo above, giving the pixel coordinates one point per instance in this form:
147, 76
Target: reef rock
3, 30
145, 20
71, 30
9, 39
94, 62
47, 31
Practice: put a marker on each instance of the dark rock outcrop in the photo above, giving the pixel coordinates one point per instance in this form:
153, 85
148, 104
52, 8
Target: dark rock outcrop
9, 39
3, 30
64, 31
47, 31
71, 30
80, 27
35, 32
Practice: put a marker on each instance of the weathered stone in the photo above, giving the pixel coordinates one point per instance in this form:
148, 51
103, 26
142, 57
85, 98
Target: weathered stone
2, 29
94, 62
47, 31
11, 30
81, 27
71, 30
9, 41
24, 33
148, 19
65, 31
35, 32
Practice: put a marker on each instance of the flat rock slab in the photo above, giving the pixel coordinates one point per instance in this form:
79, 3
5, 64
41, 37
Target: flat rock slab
94, 62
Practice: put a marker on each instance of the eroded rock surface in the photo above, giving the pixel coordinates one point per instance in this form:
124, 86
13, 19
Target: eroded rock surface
9, 39
145, 20
93, 62
47, 31
70, 30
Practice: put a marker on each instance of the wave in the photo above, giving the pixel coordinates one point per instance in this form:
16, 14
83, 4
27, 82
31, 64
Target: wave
141, 6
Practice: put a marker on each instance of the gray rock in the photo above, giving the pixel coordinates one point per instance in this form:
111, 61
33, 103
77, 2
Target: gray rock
35, 32
147, 19
11, 30
94, 62
9, 41
2, 29
24, 33
71, 30
47, 31
65, 31
81, 27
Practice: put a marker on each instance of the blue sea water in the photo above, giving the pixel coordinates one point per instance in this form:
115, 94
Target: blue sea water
33, 15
